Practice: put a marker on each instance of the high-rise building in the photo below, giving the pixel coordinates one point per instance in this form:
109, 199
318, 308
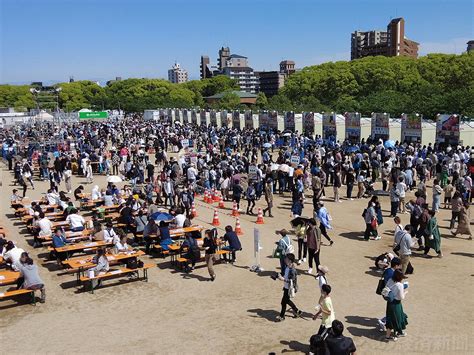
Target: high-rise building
390, 43
470, 45
205, 67
224, 54
270, 82
287, 67
177, 74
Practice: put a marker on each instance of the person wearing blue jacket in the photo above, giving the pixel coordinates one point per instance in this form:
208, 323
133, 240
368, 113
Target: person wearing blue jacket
322, 214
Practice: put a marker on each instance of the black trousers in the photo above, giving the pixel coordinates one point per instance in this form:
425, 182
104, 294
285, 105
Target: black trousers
324, 232
313, 254
349, 190
286, 300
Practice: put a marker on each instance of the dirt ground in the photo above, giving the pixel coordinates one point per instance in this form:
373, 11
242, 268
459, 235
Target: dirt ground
179, 313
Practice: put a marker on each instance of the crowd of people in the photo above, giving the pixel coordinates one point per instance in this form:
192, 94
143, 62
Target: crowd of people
162, 171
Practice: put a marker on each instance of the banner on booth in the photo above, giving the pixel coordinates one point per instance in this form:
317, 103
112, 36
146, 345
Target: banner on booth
194, 117
352, 122
308, 123
380, 125
447, 129
213, 118
289, 121
202, 117
329, 126
236, 119
411, 127
248, 119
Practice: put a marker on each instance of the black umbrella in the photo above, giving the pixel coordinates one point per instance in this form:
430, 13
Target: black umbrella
299, 220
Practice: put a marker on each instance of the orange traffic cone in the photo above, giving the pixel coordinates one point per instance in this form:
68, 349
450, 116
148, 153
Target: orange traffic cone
260, 216
215, 196
235, 211
193, 210
215, 220
238, 229
221, 202
205, 196
208, 198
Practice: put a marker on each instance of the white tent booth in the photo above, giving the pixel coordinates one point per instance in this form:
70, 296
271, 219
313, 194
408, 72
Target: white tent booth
340, 128
466, 133
318, 124
365, 127
395, 127
43, 116
428, 132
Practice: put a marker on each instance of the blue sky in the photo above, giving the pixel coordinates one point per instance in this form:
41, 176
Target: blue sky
44, 40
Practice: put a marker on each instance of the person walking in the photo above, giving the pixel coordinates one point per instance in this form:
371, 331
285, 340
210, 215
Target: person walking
456, 203
324, 222
350, 179
396, 319
433, 236
313, 237
463, 225
370, 218
290, 286
337, 182
325, 309
437, 191
300, 231
394, 201
210, 248
402, 246
89, 174
250, 195
284, 247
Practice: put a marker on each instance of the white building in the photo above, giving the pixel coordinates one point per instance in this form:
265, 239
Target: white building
177, 74
237, 68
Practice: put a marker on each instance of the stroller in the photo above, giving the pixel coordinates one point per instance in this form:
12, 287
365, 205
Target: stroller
369, 188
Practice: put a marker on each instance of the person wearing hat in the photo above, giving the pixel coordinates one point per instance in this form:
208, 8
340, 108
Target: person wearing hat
321, 276
289, 279
284, 247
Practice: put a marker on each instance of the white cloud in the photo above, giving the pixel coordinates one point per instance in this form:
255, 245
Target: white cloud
452, 46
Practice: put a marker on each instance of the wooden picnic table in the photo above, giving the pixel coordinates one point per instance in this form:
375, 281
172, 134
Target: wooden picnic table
71, 236
8, 277
81, 246
51, 216
85, 262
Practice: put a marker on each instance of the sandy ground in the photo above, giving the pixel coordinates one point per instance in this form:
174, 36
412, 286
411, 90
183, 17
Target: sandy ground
178, 313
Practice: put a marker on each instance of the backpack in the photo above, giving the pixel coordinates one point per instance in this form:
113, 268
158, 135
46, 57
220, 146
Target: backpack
289, 249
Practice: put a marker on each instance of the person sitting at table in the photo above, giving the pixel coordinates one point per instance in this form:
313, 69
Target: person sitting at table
164, 235
110, 236
63, 200
52, 197
135, 203
108, 199
121, 245
69, 208
76, 221
140, 223
30, 277
233, 243
59, 241
101, 266
12, 255
95, 194
16, 199
44, 228
78, 193
193, 253
150, 229
179, 218
126, 216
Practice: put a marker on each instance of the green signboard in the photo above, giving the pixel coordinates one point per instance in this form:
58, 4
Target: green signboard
93, 115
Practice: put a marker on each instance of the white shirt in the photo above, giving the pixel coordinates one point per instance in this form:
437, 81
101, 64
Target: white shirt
180, 218
402, 188
75, 220
14, 255
110, 236
45, 226
52, 198
397, 289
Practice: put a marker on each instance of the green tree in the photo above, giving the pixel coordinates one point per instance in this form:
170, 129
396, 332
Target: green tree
229, 101
262, 102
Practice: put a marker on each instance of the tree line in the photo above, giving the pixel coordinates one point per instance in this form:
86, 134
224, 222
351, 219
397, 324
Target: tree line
436, 83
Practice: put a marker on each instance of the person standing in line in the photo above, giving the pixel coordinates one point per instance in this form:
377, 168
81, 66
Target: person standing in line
325, 309
369, 217
237, 192
433, 236
210, 248
313, 237
289, 281
250, 195
350, 183
448, 194
402, 189
456, 203
394, 201
360, 184
402, 244
463, 225
437, 191
396, 319
337, 182
268, 198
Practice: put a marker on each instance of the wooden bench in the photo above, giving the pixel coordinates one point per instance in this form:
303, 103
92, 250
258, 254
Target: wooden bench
181, 261
116, 273
14, 293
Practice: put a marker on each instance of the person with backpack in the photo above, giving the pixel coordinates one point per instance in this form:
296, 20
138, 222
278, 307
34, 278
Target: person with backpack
395, 264
193, 253
284, 247
290, 287
370, 218
396, 319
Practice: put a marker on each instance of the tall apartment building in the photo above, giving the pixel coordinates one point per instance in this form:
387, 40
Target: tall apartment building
470, 45
205, 70
390, 43
270, 82
287, 67
224, 54
237, 68
177, 74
